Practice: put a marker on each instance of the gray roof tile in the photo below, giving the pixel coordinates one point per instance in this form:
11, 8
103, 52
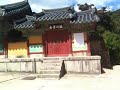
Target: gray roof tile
87, 16
54, 14
23, 23
15, 8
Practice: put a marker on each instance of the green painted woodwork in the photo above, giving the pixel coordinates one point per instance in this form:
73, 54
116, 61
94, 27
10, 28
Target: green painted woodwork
35, 48
1, 48
0, 37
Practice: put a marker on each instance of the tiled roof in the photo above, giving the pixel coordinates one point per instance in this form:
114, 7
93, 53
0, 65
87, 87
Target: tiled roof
81, 17
87, 16
12, 9
48, 14
23, 23
54, 14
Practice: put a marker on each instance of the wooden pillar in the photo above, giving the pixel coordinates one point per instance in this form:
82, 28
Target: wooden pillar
70, 42
88, 42
44, 44
5, 45
28, 53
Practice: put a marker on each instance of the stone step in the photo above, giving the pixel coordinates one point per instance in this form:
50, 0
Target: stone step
51, 68
51, 64
52, 61
50, 72
48, 76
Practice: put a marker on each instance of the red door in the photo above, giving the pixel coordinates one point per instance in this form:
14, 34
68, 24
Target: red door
58, 43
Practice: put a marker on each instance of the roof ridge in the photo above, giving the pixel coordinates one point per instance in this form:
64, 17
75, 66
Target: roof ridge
92, 11
56, 9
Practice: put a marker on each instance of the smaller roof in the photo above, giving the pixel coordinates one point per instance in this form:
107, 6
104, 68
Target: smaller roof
11, 9
54, 14
86, 16
23, 23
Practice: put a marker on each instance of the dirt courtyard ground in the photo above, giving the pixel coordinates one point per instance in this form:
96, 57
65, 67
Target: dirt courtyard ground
107, 81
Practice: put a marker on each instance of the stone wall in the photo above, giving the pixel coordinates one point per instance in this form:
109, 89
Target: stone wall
20, 65
84, 65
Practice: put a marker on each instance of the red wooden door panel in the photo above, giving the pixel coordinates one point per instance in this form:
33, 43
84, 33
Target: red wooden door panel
58, 43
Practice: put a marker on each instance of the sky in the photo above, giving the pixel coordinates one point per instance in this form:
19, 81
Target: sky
38, 5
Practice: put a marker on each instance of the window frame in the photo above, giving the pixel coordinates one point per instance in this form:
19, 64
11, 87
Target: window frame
80, 47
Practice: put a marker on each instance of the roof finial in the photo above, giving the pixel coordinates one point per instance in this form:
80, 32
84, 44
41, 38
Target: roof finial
85, 6
26, 0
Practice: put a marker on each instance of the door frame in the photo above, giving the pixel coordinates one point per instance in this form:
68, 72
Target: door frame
57, 55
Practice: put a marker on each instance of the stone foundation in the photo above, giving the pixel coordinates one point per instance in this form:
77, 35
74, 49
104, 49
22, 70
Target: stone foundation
83, 64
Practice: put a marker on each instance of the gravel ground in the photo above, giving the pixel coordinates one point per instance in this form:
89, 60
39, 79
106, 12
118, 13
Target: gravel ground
107, 81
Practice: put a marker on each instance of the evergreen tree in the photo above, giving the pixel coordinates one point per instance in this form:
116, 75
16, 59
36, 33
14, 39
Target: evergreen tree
109, 29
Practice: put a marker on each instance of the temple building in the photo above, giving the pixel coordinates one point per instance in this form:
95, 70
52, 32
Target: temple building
50, 33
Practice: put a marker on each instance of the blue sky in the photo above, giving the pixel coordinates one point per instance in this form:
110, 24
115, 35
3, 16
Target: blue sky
38, 5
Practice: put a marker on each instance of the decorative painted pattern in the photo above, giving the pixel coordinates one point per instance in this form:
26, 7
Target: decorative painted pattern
18, 49
36, 48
